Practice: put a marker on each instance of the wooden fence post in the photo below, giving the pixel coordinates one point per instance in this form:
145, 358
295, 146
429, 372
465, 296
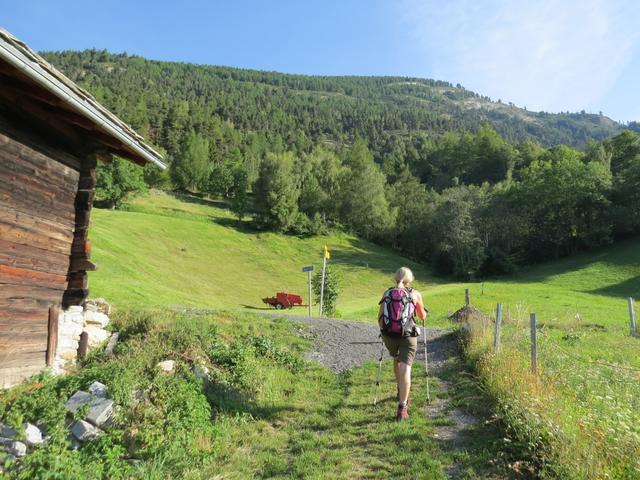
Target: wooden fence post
496, 338
83, 345
534, 345
632, 318
52, 334
466, 297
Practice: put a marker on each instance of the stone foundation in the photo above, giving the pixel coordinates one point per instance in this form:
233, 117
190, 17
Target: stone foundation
72, 322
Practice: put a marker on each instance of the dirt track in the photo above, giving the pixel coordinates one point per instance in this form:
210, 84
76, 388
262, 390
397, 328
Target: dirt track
342, 344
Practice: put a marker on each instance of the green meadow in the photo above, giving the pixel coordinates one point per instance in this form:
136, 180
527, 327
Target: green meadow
168, 251
578, 418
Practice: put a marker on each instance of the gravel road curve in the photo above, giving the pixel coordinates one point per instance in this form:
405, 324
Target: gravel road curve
343, 344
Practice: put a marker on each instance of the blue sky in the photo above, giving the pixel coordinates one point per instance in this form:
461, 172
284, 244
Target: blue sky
552, 55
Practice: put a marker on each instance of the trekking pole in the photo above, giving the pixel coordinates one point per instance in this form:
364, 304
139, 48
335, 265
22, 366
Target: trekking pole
375, 395
426, 362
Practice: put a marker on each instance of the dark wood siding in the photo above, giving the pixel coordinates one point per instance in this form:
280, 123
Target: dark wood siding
37, 220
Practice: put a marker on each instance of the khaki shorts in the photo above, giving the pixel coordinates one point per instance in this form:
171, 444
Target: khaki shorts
402, 348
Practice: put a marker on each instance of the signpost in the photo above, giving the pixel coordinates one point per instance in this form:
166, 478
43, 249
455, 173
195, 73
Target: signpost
325, 256
309, 269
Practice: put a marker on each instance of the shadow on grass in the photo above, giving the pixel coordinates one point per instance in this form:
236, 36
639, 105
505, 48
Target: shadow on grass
252, 307
628, 288
241, 226
196, 199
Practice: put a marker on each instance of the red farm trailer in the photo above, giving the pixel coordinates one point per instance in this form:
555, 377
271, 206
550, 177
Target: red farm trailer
284, 300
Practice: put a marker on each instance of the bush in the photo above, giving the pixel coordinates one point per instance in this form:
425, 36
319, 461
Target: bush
331, 290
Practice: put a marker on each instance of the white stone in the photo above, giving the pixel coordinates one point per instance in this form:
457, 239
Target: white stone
166, 365
202, 372
84, 431
111, 344
96, 335
98, 389
32, 434
67, 344
100, 411
74, 309
96, 318
14, 447
77, 400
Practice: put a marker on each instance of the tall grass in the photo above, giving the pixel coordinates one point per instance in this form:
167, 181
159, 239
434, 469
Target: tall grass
579, 417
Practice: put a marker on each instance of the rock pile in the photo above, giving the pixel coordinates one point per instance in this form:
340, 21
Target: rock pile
100, 414
12, 449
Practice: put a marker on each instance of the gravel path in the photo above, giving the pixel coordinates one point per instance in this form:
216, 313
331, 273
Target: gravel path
342, 344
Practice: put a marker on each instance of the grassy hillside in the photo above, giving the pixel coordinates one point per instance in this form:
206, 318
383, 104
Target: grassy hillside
166, 251
170, 251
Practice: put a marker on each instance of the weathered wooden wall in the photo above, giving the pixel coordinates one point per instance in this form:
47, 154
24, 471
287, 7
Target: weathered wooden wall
38, 197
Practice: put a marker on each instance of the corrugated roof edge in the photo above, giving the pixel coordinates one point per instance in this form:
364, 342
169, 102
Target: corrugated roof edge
18, 54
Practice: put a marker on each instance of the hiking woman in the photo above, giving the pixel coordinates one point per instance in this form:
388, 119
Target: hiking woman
396, 318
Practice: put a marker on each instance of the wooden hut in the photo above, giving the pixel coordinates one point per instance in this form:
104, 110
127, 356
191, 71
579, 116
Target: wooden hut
52, 134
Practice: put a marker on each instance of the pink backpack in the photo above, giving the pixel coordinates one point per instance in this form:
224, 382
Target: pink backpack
398, 313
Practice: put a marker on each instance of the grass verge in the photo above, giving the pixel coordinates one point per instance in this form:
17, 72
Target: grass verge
578, 417
266, 413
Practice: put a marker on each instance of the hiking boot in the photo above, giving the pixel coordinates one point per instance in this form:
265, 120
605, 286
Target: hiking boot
402, 414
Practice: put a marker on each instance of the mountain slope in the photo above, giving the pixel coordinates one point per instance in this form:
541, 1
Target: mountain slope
149, 95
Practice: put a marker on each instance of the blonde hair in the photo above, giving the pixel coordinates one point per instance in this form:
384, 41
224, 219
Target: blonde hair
404, 275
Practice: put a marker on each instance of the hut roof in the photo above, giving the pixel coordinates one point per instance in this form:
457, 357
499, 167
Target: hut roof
117, 137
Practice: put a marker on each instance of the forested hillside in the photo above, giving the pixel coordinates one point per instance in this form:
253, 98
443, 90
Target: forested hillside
439, 173
165, 99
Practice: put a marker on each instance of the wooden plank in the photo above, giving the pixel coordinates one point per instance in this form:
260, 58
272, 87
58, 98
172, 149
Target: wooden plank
23, 342
10, 291
11, 174
25, 236
14, 249
61, 213
20, 276
37, 168
29, 360
40, 224
23, 314
21, 196
28, 134
24, 256
22, 327
52, 344
30, 183
19, 139
28, 303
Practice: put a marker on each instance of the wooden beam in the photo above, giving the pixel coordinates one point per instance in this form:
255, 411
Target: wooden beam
52, 343
74, 296
78, 280
79, 264
21, 276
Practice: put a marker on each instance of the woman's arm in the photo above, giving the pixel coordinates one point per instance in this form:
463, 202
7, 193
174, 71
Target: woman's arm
420, 310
